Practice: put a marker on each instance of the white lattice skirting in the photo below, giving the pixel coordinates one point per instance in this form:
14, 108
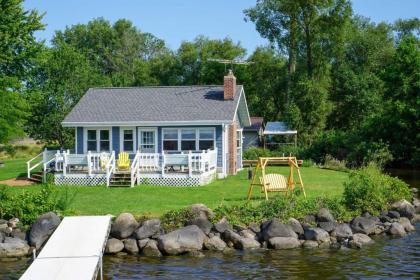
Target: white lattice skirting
178, 181
80, 179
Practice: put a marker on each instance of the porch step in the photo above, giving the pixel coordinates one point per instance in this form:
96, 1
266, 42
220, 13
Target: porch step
36, 177
120, 179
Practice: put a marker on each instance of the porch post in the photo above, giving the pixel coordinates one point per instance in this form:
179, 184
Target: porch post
163, 163
89, 163
190, 164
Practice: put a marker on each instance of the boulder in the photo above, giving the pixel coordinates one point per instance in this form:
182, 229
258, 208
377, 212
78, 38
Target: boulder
254, 227
13, 222
185, 239
365, 225
284, 243
151, 249
195, 254
385, 219
317, 234
246, 243
222, 225
405, 222
142, 242
215, 244
397, 229
13, 247
276, 229
204, 224
148, 229
2, 236
309, 219
310, 244
18, 234
202, 211
130, 246
328, 226
3, 222
393, 214
416, 203
43, 227
247, 233
342, 232
296, 226
359, 240
416, 218
324, 215
114, 246
124, 226
405, 208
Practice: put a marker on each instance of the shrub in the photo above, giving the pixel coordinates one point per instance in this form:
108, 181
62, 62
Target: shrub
334, 164
367, 189
255, 153
175, 219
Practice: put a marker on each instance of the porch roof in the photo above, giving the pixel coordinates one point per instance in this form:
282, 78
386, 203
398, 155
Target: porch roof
278, 128
150, 105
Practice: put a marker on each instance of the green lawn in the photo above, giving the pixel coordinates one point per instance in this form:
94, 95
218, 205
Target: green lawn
13, 168
154, 200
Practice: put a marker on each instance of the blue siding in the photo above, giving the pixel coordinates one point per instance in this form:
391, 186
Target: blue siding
159, 139
219, 145
79, 140
116, 139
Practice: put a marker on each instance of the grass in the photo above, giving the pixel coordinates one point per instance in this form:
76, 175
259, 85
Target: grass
154, 200
13, 168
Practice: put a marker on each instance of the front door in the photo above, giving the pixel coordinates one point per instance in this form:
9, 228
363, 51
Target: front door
147, 140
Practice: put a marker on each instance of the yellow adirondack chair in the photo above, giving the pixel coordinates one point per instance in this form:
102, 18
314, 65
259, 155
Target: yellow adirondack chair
123, 161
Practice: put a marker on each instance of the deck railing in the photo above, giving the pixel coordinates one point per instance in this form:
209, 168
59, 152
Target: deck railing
135, 169
110, 168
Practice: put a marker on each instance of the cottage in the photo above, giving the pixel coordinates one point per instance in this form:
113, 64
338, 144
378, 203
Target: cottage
174, 135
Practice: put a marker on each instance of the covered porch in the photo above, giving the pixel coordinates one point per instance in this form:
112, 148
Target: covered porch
187, 168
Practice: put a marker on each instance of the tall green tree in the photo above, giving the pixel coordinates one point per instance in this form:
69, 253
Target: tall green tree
62, 77
18, 48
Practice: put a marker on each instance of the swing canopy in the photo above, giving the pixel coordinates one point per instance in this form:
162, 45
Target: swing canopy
274, 182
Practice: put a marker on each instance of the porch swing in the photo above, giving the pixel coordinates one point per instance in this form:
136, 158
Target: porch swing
274, 182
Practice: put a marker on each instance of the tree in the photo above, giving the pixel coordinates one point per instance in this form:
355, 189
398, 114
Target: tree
18, 48
62, 77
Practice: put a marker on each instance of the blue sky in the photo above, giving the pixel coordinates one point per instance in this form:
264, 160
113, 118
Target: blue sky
178, 20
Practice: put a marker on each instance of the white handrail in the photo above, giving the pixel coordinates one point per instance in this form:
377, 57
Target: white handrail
110, 168
28, 164
134, 169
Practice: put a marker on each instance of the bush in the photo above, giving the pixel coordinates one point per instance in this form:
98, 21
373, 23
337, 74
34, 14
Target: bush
175, 219
334, 164
281, 208
367, 189
255, 153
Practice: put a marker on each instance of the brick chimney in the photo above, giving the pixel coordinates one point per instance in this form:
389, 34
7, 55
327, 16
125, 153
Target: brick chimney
229, 86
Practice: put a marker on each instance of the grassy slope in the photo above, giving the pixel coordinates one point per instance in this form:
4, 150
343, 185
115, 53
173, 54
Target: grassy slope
13, 168
153, 200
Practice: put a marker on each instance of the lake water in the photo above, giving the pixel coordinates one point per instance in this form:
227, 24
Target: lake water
387, 259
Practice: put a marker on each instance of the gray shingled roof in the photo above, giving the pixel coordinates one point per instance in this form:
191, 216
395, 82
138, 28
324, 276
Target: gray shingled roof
153, 104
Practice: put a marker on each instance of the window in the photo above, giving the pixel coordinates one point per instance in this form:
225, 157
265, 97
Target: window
206, 139
147, 141
170, 139
91, 140
98, 140
188, 140
128, 140
239, 139
104, 142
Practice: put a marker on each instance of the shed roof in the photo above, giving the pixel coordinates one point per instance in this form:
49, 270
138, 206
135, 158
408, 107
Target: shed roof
278, 128
165, 104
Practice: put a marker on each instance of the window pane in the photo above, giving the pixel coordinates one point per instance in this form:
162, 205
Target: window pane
206, 133
91, 135
91, 145
104, 145
188, 134
206, 144
148, 137
188, 145
128, 145
128, 134
104, 135
170, 134
170, 145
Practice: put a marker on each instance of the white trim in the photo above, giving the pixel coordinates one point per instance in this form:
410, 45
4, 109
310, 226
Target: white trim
133, 129
146, 123
246, 106
85, 129
141, 129
197, 137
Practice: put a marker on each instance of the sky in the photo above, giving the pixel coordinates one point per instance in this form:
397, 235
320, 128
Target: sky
182, 20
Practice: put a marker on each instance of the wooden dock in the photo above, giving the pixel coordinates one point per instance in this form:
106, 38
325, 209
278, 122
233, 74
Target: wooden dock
74, 251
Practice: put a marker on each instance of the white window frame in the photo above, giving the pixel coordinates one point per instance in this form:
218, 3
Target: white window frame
139, 138
133, 129
98, 140
197, 137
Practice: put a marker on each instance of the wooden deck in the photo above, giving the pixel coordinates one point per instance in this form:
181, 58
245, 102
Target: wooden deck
74, 251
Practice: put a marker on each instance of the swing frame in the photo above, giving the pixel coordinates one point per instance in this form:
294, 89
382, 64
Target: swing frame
291, 183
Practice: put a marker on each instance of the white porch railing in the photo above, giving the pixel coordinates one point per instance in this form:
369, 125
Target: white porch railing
110, 168
135, 169
37, 161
